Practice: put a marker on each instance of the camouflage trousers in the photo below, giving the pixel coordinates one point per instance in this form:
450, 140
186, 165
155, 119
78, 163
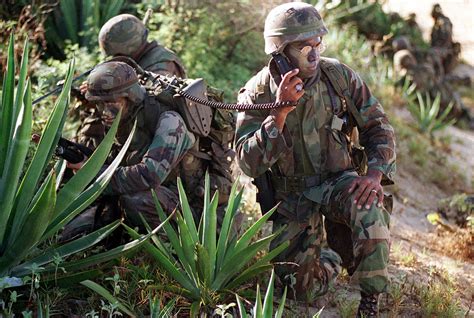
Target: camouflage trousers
360, 238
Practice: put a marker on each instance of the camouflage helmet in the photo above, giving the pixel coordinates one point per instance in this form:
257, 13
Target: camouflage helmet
403, 59
124, 34
290, 22
111, 80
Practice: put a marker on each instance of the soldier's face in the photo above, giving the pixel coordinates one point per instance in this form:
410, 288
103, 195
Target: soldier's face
110, 109
305, 55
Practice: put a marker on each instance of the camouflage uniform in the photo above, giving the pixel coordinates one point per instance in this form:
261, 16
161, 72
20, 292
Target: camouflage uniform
311, 170
428, 81
126, 35
442, 32
162, 149
442, 40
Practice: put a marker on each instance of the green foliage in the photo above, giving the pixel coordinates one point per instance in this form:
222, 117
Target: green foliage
110, 297
206, 266
78, 21
265, 310
426, 111
372, 21
115, 302
34, 208
220, 41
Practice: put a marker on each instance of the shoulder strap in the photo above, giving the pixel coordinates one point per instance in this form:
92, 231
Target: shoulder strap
338, 82
152, 110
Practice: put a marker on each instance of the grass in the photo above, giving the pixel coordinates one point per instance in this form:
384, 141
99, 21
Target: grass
346, 306
437, 299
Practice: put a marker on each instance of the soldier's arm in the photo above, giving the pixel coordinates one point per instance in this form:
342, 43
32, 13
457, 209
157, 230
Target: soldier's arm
377, 135
171, 141
259, 143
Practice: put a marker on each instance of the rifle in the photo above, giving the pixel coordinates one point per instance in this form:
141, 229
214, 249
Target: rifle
69, 150
60, 87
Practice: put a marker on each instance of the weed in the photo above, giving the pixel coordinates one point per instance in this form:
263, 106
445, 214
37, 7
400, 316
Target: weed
437, 299
346, 306
397, 296
409, 259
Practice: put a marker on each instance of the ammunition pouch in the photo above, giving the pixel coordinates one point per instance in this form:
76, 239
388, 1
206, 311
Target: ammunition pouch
359, 159
197, 117
266, 192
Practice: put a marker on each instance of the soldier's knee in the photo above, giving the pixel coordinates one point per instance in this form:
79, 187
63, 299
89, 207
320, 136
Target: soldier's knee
372, 223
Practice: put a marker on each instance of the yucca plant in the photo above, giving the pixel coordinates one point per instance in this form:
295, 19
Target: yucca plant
264, 310
205, 266
32, 206
426, 111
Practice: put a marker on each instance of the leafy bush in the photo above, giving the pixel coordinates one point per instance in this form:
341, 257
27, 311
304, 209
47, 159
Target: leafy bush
204, 266
78, 21
34, 208
220, 41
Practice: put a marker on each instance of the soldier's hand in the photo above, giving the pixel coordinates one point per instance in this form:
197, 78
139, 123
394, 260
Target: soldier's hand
83, 88
290, 89
366, 189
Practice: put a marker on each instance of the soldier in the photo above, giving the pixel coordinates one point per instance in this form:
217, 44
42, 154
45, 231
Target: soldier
442, 40
305, 152
163, 148
442, 32
126, 35
427, 81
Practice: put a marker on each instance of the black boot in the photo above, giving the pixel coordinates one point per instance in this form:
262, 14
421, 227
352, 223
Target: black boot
368, 306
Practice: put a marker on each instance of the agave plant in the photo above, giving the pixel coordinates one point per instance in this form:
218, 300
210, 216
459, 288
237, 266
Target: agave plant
204, 265
426, 111
32, 206
265, 310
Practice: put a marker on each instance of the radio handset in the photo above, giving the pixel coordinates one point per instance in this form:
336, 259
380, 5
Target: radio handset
282, 63
284, 66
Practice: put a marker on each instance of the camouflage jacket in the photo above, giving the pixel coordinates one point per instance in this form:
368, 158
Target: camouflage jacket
160, 141
442, 33
314, 140
158, 59
163, 148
